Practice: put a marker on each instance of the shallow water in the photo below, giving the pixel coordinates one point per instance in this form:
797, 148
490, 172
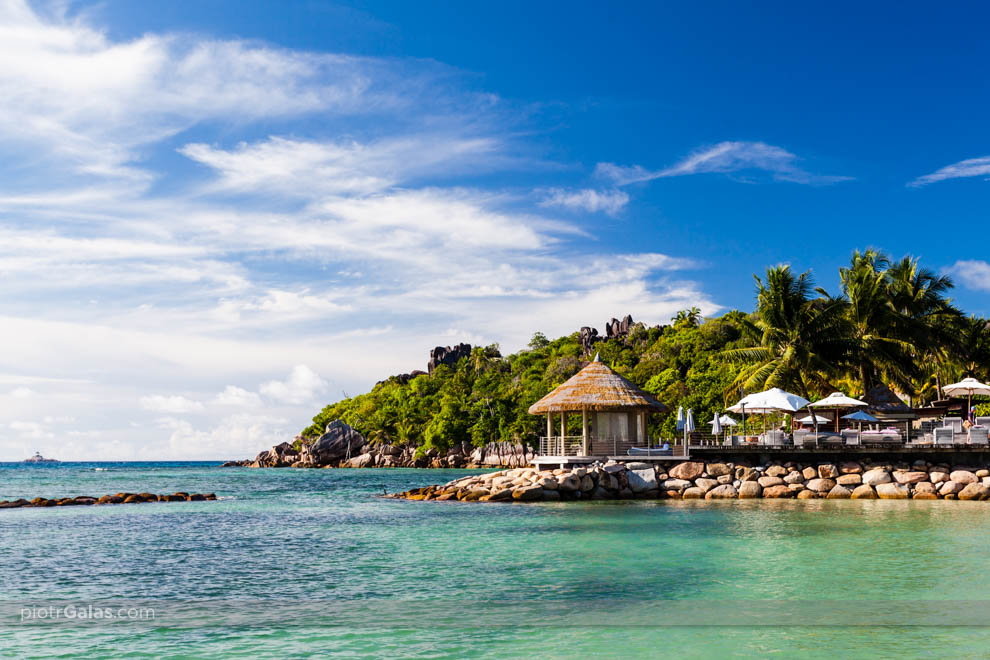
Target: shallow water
294, 562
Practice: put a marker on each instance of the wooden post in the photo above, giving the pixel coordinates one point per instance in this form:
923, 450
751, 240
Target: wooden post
646, 436
584, 430
549, 431
563, 433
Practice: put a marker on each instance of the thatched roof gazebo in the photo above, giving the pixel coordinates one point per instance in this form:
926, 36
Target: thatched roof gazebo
619, 409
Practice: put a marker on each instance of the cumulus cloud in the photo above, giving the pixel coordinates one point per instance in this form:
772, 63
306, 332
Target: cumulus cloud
302, 386
328, 211
594, 201
169, 404
973, 273
962, 169
724, 158
237, 397
21, 392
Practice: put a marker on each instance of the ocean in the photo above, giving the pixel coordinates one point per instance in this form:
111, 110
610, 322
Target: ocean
294, 563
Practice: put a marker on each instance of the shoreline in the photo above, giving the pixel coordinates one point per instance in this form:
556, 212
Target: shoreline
633, 480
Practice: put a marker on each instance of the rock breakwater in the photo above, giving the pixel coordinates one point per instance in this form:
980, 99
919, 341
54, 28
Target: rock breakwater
116, 498
920, 480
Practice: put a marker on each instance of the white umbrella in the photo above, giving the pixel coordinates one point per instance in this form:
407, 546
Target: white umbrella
837, 400
969, 387
771, 400
688, 425
716, 425
725, 420
814, 419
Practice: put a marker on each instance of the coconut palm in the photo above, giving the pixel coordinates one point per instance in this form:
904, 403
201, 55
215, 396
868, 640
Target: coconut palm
803, 341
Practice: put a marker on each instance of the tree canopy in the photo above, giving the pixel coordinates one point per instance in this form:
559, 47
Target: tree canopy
890, 323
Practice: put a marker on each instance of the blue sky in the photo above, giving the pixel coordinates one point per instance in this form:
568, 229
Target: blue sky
217, 216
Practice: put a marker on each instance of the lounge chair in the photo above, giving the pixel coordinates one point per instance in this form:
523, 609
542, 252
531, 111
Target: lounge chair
803, 438
850, 436
983, 421
978, 435
944, 437
954, 423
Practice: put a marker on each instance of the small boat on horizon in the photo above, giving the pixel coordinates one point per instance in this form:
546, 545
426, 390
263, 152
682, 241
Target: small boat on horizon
38, 458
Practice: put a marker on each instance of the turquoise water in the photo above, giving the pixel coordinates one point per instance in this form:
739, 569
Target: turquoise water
291, 563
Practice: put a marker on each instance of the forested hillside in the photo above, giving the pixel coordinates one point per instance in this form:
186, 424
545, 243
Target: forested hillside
891, 323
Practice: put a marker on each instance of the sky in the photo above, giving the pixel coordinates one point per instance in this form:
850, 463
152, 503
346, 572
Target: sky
217, 217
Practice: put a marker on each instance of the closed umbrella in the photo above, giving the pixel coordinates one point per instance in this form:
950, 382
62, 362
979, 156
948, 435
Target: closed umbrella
969, 387
680, 418
688, 425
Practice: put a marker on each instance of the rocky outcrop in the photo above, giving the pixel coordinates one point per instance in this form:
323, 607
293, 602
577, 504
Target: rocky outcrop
588, 337
692, 480
117, 498
616, 328
447, 355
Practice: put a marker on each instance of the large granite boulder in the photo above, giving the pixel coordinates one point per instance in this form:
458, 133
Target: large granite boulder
749, 489
447, 355
876, 477
641, 481
689, 470
334, 446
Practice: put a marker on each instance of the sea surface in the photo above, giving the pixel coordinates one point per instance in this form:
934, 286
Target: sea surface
295, 563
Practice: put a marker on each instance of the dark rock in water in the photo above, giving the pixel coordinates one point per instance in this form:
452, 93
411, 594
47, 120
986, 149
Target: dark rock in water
336, 444
447, 355
133, 499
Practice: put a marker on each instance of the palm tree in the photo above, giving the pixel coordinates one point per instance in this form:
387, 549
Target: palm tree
802, 340
881, 347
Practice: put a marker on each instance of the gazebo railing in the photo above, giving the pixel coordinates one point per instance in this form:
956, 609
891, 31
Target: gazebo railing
573, 445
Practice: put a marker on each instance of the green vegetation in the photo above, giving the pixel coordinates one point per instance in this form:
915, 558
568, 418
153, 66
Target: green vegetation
891, 323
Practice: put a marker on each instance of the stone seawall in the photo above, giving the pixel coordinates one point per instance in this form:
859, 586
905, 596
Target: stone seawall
920, 480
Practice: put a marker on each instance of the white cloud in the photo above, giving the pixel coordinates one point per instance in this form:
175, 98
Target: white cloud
302, 386
606, 201
170, 404
725, 158
237, 397
348, 236
21, 392
973, 273
962, 169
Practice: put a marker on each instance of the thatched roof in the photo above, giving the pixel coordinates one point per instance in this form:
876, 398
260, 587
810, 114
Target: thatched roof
596, 387
883, 400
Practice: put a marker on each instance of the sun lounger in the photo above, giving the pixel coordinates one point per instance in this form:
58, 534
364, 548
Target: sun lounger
978, 435
983, 421
944, 437
649, 451
850, 436
954, 423
804, 438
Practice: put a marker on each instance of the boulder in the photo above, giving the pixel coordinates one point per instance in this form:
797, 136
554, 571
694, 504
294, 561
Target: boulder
776, 471
676, 484
749, 489
766, 482
528, 493
807, 494
828, 471
689, 470
362, 461
588, 484
924, 487
963, 477
851, 467
569, 483
937, 476
744, 473
717, 469
949, 488
974, 491
982, 474
809, 472
554, 496
863, 492
794, 477
839, 493
876, 477
693, 493
547, 483
851, 479
910, 477
820, 485
705, 484
723, 492
727, 479
499, 495
891, 491
774, 492
339, 441
642, 480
